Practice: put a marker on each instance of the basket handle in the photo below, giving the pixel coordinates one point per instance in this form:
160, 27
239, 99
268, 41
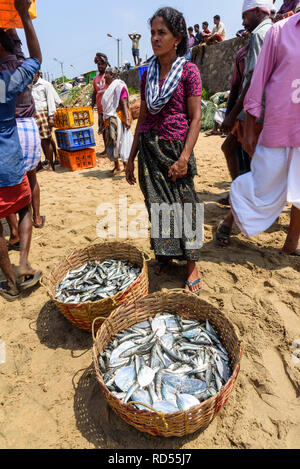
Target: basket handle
42, 282
162, 415
102, 318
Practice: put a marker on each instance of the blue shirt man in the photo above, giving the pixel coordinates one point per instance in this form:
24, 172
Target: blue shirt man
13, 83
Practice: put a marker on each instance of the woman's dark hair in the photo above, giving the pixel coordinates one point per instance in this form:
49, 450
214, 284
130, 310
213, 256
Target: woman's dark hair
175, 22
6, 41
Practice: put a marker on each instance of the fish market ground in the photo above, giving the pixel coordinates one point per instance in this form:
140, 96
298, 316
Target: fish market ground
49, 396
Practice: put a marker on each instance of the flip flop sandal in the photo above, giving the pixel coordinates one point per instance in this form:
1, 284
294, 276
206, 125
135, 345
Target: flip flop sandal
4, 292
223, 235
42, 224
29, 281
192, 284
13, 246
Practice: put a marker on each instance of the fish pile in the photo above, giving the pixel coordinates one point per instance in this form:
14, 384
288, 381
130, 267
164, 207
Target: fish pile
167, 362
96, 280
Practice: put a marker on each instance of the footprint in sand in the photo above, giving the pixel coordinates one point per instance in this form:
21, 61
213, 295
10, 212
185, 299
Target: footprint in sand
282, 386
290, 319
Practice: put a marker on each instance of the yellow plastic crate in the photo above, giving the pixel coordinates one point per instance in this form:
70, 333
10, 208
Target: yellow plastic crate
74, 118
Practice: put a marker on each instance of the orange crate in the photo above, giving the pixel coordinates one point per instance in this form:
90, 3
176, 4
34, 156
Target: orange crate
75, 160
9, 17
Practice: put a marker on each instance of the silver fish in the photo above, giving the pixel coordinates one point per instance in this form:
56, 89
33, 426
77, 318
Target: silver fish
152, 392
125, 378
167, 359
133, 388
186, 401
96, 280
158, 325
169, 394
142, 395
145, 376
164, 406
116, 354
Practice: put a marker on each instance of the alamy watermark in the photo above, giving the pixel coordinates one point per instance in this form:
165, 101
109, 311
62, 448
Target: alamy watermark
296, 92
124, 220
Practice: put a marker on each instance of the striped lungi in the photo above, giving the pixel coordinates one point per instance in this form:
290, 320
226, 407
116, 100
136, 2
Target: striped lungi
30, 141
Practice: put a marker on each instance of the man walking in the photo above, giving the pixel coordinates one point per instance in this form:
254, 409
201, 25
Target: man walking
100, 86
258, 197
15, 194
29, 139
257, 21
44, 99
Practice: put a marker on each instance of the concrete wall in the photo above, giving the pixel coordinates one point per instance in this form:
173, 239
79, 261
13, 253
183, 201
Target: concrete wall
216, 71
131, 78
218, 64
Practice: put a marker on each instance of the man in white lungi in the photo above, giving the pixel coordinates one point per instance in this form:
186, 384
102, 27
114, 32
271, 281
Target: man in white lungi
257, 198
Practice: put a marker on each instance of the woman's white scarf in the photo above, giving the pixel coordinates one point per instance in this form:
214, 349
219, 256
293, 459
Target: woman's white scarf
111, 98
156, 99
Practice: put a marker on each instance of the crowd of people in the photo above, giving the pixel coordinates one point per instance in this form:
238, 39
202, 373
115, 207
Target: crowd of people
265, 84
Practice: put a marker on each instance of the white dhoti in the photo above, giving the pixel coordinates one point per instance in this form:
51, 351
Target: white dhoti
258, 197
220, 115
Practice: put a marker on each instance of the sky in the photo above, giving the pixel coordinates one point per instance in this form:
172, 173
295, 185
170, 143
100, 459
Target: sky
72, 31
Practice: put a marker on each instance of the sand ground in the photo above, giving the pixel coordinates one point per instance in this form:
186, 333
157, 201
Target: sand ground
49, 396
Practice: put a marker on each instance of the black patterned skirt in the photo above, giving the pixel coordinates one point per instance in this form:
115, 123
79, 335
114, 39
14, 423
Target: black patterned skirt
175, 213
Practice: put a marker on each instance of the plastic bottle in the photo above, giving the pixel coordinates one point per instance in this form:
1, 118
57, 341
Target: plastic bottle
9, 17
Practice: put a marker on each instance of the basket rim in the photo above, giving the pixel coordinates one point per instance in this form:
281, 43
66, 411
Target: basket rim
113, 298
137, 411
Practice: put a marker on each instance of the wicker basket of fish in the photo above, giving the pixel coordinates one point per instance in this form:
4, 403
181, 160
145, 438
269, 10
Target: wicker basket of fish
167, 363
93, 281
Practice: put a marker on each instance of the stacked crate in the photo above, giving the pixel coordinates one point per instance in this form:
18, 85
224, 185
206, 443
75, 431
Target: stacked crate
75, 137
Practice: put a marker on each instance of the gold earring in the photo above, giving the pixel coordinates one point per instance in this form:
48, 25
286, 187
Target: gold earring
175, 46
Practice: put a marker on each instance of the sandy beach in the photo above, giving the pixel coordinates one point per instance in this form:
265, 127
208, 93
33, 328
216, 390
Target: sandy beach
49, 396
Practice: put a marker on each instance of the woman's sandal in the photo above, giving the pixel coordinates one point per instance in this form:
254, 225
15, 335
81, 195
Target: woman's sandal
223, 235
192, 284
4, 292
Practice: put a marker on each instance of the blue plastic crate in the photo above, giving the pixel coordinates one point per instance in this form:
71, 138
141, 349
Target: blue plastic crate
142, 69
75, 139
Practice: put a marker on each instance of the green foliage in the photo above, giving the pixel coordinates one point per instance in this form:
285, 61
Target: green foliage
133, 90
205, 94
60, 80
208, 113
72, 95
